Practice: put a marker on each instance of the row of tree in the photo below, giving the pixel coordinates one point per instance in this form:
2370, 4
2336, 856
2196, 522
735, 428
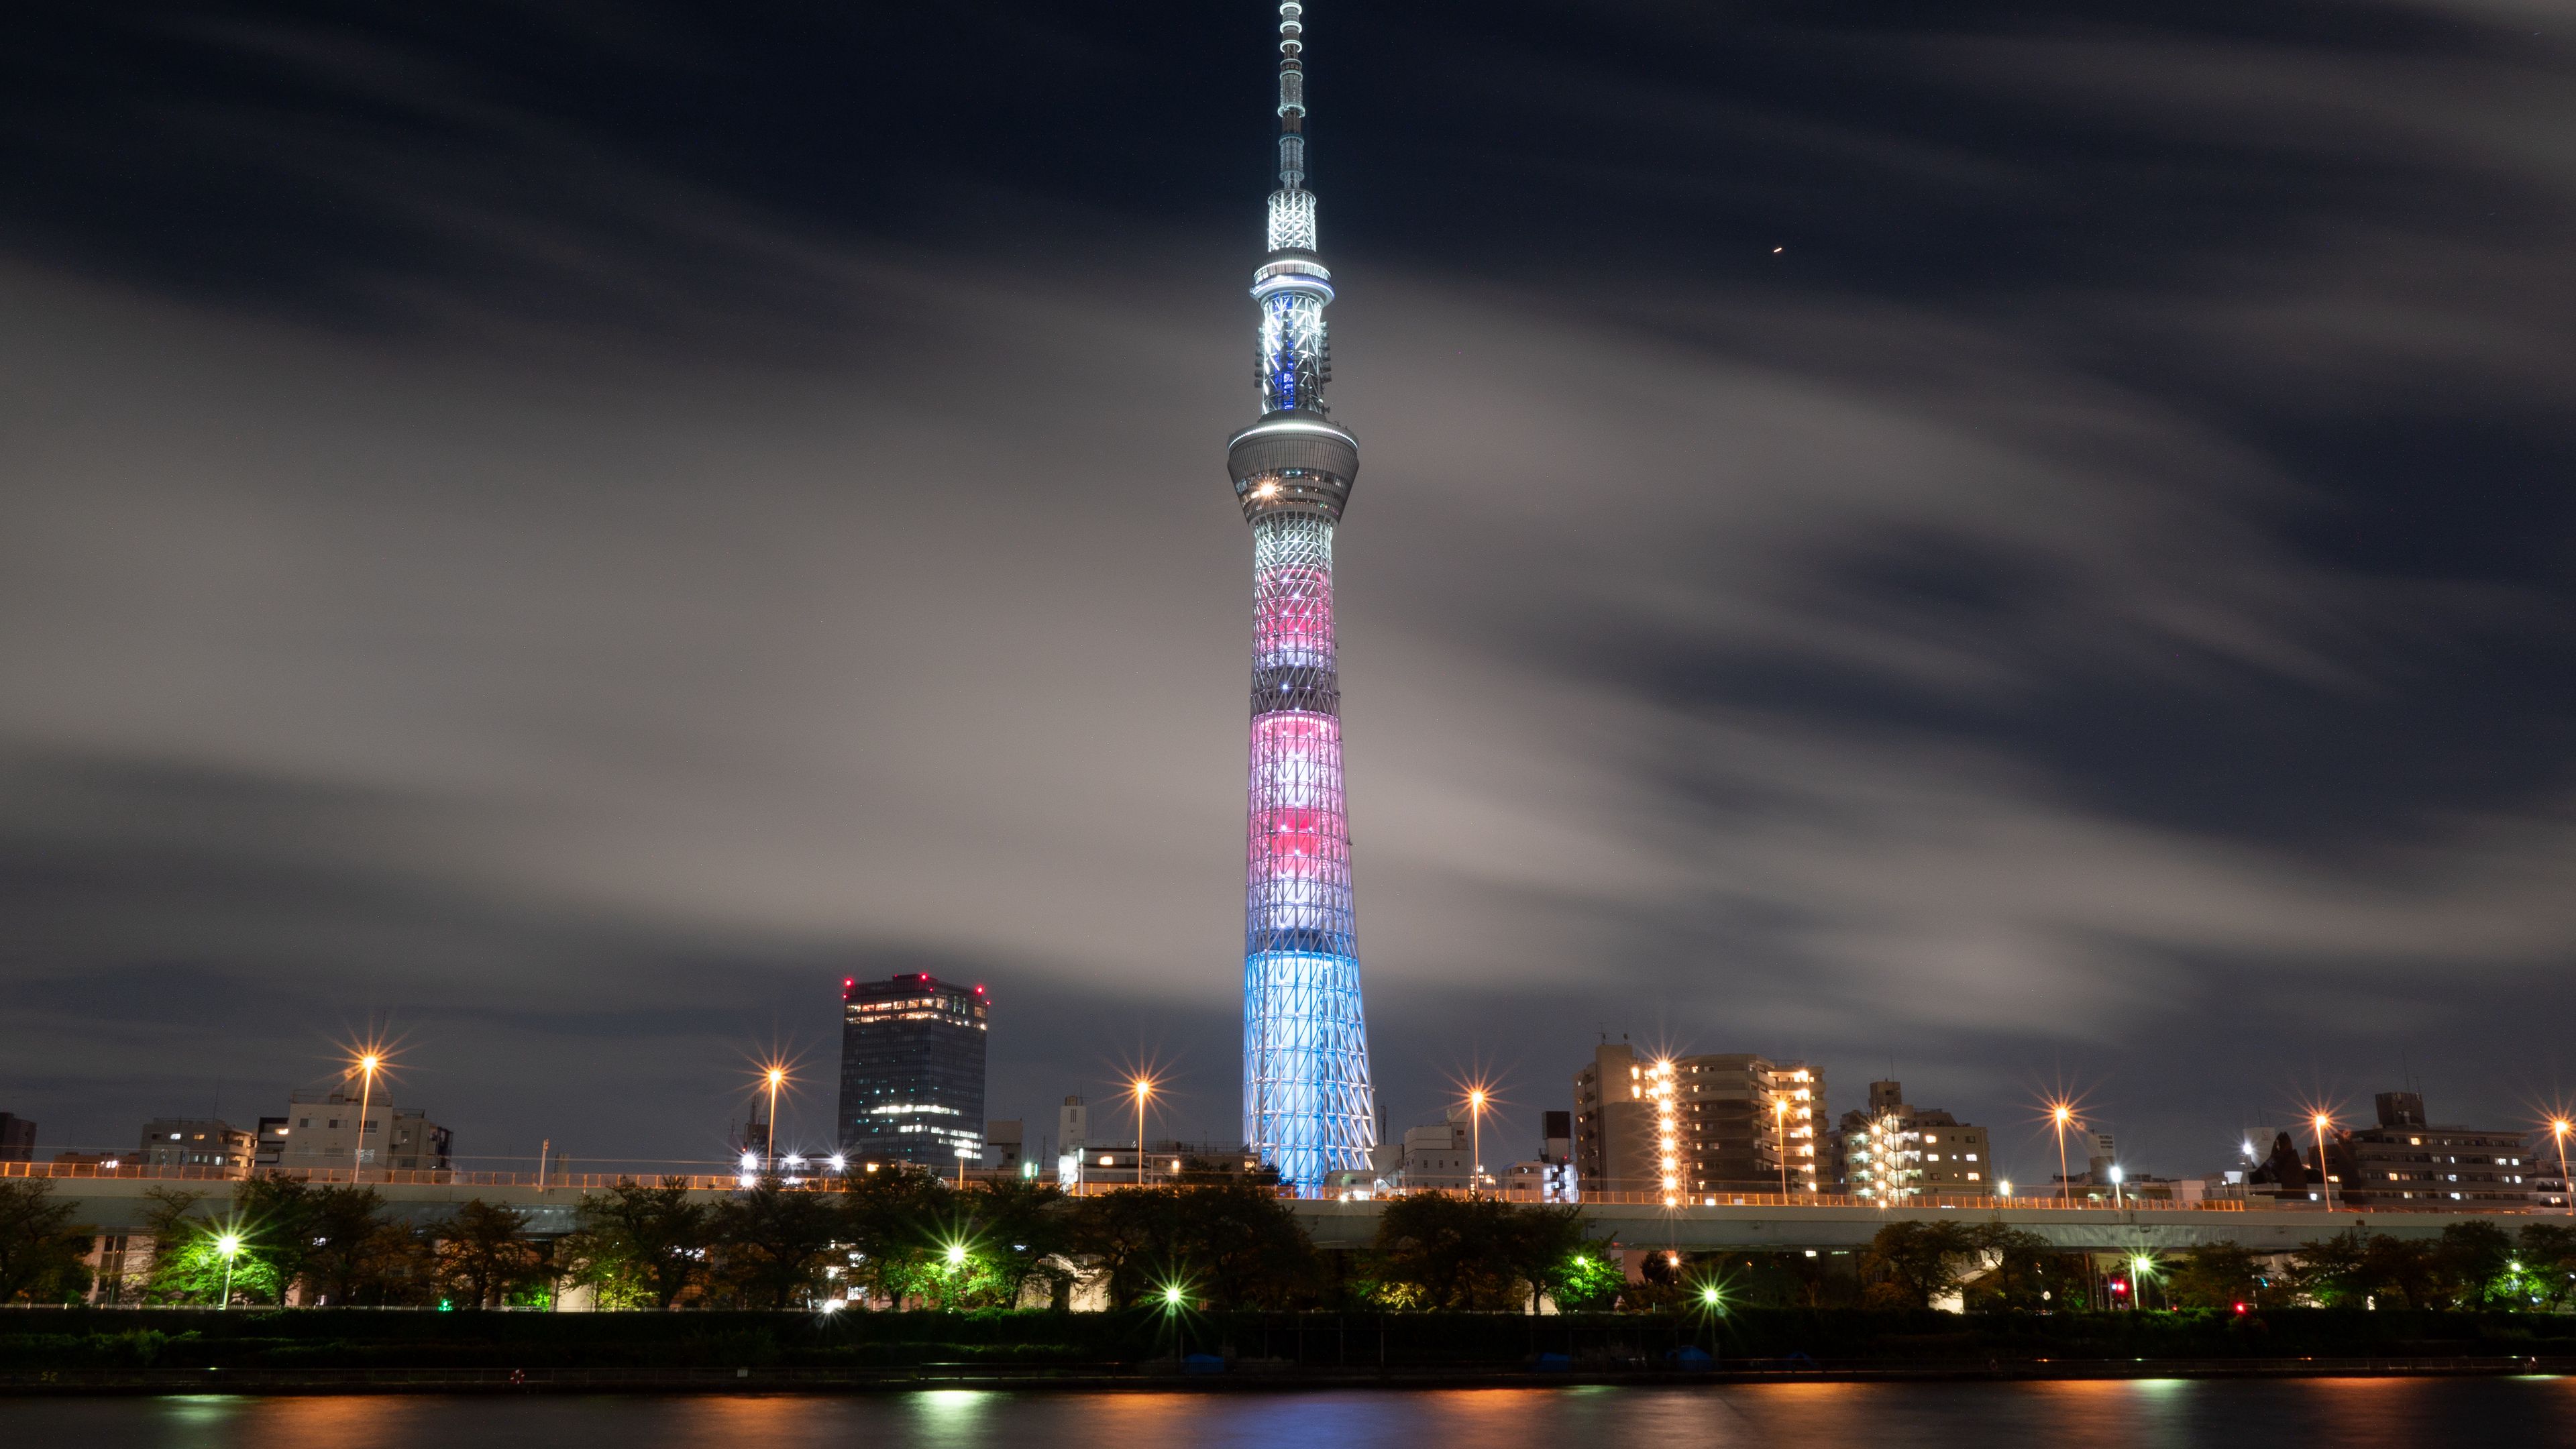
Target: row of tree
2471, 1266
1212, 1239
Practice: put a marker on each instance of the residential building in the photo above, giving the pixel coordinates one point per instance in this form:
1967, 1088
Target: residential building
1891, 1150
1005, 1144
321, 1131
1440, 1156
1698, 1126
1614, 1127
218, 1148
17, 1138
912, 1071
1550, 1177
2405, 1161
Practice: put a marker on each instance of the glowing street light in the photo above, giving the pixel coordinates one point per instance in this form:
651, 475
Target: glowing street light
1780, 1133
2320, 1122
1173, 1297
1143, 1087
956, 1255
370, 1061
1475, 1139
2139, 1267
229, 1245
2559, 1127
2062, 1115
777, 1077
2003, 1187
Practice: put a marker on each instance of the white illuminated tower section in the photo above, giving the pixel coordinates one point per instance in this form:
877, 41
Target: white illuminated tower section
1308, 1109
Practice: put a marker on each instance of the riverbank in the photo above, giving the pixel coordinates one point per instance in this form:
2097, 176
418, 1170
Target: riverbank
322, 1351
1238, 1377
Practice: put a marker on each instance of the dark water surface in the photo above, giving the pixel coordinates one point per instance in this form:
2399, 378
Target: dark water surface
2362, 1413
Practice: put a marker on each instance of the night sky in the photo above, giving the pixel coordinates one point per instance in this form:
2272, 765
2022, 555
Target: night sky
2019, 544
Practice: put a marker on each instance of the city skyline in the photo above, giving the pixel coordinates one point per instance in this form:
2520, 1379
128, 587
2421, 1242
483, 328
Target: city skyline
2008, 555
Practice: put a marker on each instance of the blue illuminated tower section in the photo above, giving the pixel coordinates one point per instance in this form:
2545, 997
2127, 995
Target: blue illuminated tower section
1308, 1109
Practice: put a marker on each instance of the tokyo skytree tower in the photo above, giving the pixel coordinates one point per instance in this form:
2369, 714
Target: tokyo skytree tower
1308, 1109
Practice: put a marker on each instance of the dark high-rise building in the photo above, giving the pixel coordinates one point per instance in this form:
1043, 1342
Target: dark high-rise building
912, 1071
17, 1138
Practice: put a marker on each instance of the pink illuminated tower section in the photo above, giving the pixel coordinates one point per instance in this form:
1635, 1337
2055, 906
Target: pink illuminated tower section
1308, 1109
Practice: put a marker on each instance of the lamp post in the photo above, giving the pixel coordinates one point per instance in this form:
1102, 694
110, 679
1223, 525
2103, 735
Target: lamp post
2062, 1115
777, 1077
2320, 1123
228, 1245
2118, 1197
1475, 1139
368, 1063
1780, 1134
1144, 1088
2559, 1128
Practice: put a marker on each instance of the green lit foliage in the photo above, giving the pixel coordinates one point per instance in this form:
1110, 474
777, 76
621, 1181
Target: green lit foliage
40, 1250
188, 1261
638, 1246
484, 1256
1227, 1233
2546, 1277
1436, 1251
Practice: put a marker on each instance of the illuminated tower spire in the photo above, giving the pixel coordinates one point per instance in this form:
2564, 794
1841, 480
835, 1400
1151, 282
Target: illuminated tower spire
1308, 1109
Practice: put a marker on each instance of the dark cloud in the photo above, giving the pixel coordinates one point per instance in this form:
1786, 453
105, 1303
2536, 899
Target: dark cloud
573, 527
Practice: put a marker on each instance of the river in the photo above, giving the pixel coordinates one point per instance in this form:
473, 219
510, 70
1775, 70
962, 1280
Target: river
2511, 1413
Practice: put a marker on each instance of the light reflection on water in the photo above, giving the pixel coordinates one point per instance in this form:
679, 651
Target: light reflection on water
2137, 1414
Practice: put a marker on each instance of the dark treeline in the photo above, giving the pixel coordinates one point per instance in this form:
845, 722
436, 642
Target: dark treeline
1211, 1242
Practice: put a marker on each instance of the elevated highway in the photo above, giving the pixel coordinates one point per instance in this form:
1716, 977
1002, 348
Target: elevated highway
119, 1201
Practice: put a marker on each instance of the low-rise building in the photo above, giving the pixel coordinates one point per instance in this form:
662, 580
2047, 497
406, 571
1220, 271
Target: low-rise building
218, 1148
322, 1131
17, 1138
2405, 1161
1891, 1150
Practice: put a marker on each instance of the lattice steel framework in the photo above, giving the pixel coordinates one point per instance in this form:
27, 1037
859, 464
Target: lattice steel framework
1307, 1105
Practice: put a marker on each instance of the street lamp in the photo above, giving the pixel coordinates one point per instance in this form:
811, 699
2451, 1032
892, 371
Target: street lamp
2063, 1116
228, 1245
2320, 1122
777, 1077
1475, 1139
2138, 1267
2118, 1197
369, 1063
1144, 1088
2559, 1128
1780, 1134
2003, 1187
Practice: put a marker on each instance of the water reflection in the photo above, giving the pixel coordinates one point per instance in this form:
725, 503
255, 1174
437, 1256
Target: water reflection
2141, 1414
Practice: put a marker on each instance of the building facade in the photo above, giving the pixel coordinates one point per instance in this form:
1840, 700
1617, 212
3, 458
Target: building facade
17, 1138
2405, 1161
1309, 1109
1890, 1150
218, 1148
1697, 1127
321, 1131
912, 1071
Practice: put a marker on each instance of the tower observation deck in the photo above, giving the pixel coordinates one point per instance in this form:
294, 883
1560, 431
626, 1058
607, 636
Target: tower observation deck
1308, 1108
